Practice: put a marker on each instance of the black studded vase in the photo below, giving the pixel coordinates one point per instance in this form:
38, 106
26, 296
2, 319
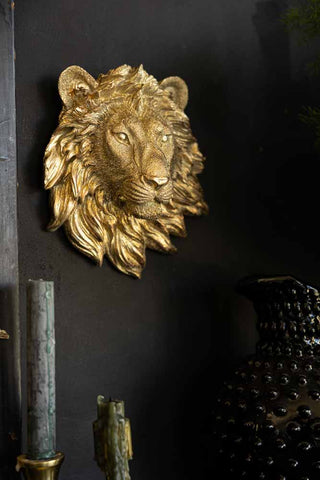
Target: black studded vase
267, 417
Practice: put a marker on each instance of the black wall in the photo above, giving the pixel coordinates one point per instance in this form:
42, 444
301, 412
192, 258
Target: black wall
161, 343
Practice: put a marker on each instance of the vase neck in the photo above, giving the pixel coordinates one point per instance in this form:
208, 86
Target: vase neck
287, 308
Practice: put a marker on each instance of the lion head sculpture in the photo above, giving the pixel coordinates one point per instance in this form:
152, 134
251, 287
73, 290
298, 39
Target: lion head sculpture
122, 165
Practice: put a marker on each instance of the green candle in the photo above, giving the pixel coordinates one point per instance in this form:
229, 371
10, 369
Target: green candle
41, 436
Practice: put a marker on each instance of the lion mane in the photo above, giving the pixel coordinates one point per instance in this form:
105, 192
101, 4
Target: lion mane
93, 222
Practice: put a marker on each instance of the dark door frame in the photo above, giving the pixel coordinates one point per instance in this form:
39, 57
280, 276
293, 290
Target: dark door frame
10, 373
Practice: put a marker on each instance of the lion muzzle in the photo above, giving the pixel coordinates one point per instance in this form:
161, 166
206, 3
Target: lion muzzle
146, 190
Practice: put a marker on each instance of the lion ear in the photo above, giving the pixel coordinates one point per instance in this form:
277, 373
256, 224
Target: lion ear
177, 89
74, 83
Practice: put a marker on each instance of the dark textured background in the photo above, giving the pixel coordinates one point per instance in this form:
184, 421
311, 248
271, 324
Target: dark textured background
161, 343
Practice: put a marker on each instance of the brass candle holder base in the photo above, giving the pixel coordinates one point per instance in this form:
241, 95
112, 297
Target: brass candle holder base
40, 469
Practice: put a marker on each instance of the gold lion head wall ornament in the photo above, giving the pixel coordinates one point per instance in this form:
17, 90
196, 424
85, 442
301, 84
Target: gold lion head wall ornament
122, 165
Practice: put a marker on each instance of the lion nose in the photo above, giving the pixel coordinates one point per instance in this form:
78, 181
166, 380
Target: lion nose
156, 181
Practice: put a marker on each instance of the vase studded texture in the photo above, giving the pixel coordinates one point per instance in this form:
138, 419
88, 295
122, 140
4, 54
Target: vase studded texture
267, 416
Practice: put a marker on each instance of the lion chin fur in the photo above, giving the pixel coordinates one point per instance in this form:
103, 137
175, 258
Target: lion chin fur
94, 223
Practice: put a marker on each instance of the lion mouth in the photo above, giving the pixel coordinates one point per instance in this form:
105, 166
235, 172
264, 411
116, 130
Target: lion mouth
143, 201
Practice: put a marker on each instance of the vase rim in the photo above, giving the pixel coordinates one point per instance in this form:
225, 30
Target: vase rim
244, 285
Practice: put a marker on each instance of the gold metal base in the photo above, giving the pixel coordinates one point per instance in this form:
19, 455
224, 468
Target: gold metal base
40, 469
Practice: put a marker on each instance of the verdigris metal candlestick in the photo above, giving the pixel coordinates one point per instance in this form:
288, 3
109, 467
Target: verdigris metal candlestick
112, 439
42, 462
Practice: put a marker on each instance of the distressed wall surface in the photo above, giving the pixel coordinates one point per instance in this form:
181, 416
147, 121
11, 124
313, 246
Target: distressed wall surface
10, 393
160, 343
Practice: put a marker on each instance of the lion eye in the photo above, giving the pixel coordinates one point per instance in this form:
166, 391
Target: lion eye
165, 138
122, 137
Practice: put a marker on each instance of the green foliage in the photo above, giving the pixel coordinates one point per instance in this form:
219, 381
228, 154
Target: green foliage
311, 117
314, 67
304, 19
